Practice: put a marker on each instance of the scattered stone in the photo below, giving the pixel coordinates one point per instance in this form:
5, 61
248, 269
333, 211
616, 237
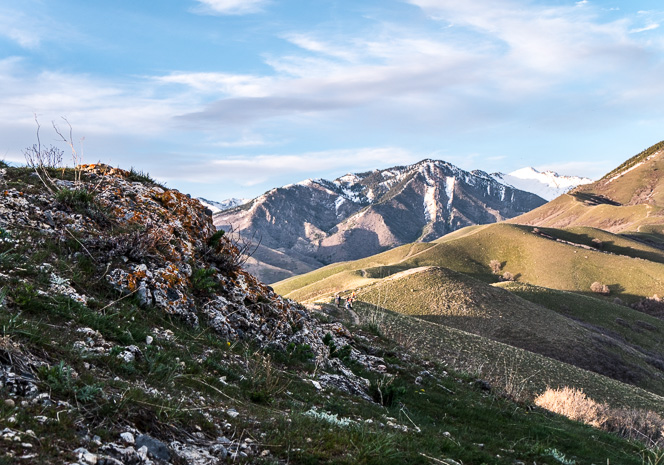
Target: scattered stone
156, 448
10, 403
128, 438
219, 451
85, 456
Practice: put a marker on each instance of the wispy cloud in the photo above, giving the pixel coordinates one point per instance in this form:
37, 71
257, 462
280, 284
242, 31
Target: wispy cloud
230, 7
649, 27
26, 30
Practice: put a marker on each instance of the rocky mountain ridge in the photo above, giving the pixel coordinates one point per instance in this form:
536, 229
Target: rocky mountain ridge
216, 207
316, 222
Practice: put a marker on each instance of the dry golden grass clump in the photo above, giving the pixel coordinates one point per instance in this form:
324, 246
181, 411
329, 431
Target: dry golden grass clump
600, 288
642, 425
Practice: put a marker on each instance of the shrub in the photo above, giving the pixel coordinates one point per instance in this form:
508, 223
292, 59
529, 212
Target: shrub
140, 176
507, 276
600, 288
385, 391
642, 425
573, 404
495, 266
78, 200
203, 280
650, 305
598, 244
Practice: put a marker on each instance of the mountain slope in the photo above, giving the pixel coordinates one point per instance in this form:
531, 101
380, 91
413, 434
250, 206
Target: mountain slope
317, 222
629, 200
131, 336
547, 184
567, 260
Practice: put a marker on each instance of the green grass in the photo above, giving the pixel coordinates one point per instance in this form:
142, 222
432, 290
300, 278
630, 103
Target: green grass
499, 362
631, 269
458, 301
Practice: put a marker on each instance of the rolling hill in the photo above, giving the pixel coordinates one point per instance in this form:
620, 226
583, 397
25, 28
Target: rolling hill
450, 282
628, 200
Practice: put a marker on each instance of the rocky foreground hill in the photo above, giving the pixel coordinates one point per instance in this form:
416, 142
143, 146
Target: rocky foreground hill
131, 335
304, 226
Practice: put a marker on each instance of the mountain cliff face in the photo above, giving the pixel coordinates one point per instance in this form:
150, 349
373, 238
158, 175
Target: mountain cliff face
316, 222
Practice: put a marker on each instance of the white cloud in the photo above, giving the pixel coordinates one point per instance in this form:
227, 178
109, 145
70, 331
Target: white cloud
220, 83
230, 7
311, 44
649, 27
25, 30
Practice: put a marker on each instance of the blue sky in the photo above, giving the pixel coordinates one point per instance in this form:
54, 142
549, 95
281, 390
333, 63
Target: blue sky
228, 98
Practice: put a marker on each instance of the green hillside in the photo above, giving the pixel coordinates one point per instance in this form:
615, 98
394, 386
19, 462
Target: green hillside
629, 199
557, 259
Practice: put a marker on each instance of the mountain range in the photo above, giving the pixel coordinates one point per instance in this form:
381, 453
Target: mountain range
306, 225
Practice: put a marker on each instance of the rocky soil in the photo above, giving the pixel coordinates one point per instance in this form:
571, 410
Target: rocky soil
157, 248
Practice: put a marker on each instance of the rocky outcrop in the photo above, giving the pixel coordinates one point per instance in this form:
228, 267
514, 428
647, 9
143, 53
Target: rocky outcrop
160, 248
316, 222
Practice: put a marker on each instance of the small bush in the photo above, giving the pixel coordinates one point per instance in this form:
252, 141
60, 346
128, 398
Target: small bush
507, 276
213, 241
140, 176
385, 391
78, 200
573, 404
598, 244
300, 352
650, 305
599, 288
641, 425
495, 266
203, 280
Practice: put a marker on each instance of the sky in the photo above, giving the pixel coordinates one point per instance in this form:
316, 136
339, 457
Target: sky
229, 98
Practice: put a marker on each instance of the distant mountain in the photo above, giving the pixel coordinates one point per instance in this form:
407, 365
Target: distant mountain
316, 222
217, 207
628, 200
546, 184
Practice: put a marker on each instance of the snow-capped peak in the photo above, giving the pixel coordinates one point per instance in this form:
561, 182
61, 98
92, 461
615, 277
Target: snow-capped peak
227, 204
546, 184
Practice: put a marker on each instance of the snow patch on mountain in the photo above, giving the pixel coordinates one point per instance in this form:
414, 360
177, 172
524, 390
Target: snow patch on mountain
546, 184
430, 207
227, 204
449, 190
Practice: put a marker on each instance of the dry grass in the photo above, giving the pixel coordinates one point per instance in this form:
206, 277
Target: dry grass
642, 425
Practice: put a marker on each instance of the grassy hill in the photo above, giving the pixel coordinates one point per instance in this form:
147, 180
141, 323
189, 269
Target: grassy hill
629, 199
550, 310
557, 259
